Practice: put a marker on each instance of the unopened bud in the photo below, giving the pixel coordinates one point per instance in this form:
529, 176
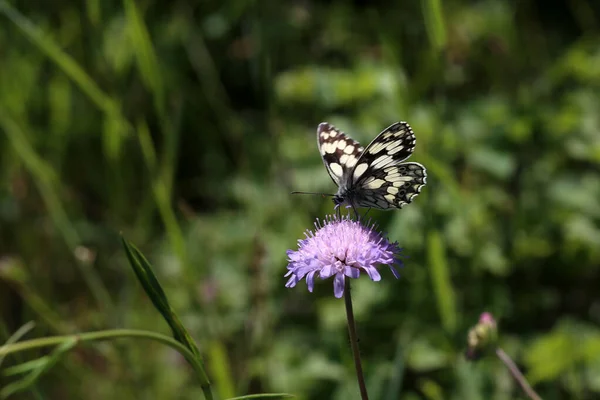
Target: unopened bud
481, 337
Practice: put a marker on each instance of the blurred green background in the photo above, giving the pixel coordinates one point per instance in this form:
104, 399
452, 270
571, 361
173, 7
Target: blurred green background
184, 126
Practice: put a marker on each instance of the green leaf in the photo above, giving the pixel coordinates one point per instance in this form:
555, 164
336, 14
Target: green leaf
144, 273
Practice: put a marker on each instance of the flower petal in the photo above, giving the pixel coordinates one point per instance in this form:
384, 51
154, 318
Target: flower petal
396, 274
327, 271
305, 268
338, 285
310, 280
352, 272
292, 281
293, 255
373, 273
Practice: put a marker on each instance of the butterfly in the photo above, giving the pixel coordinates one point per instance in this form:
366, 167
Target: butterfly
375, 176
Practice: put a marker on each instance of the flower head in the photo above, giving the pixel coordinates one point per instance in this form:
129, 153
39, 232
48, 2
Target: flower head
341, 247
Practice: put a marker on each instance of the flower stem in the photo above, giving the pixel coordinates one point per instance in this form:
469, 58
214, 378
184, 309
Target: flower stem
354, 341
514, 370
116, 334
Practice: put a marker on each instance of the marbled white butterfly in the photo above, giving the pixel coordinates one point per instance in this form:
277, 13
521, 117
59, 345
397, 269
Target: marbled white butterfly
376, 176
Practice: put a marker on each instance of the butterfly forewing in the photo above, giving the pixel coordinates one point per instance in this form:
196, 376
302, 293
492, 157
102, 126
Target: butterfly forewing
394, 145
340, 152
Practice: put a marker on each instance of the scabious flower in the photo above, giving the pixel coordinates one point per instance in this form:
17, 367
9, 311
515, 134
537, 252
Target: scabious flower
341, 247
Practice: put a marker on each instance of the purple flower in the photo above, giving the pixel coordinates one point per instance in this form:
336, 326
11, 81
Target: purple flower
341, 247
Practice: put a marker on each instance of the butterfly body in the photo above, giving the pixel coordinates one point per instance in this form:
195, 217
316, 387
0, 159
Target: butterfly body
375, 176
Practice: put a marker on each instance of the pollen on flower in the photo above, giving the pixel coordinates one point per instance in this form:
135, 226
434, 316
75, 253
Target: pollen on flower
340, 248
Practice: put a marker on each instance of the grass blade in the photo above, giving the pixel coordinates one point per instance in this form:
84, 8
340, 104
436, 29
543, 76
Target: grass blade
22, 331
39, 369
69, 66
144, 273
154, 290
442, 285
146, 58
47, 183
434, 23
26, 366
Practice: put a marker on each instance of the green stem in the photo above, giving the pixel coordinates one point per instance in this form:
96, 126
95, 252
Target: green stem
116, 334
354, 341
516, 373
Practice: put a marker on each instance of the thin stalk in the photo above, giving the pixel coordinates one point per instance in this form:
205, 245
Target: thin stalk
354, 341
514, 370
116, 334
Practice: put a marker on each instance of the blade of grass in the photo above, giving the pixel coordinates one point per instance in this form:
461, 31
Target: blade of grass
26, 366
70, 67
40, 369
17, 275
397, 376
48, 186
162, 194
116, 334
152, 287
221, 370
442, 285
154, 290
116, 126
434, 23
149, 67
146, 58
93, 11
22, 331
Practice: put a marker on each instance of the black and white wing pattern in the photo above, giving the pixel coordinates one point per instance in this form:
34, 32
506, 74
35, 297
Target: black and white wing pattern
340, 152
376, 176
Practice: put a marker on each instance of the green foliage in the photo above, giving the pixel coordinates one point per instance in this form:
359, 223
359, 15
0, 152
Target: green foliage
33, 370
185, 125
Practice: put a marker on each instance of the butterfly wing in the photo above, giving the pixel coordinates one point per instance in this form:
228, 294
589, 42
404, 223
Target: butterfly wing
380, 179
340, 153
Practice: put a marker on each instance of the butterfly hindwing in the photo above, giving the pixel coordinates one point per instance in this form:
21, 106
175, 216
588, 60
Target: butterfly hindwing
340, 152
392, 187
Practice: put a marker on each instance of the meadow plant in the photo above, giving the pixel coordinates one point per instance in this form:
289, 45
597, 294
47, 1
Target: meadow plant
343, 248
482, 339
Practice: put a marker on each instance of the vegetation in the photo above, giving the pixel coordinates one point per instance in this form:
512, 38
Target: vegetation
184, 126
